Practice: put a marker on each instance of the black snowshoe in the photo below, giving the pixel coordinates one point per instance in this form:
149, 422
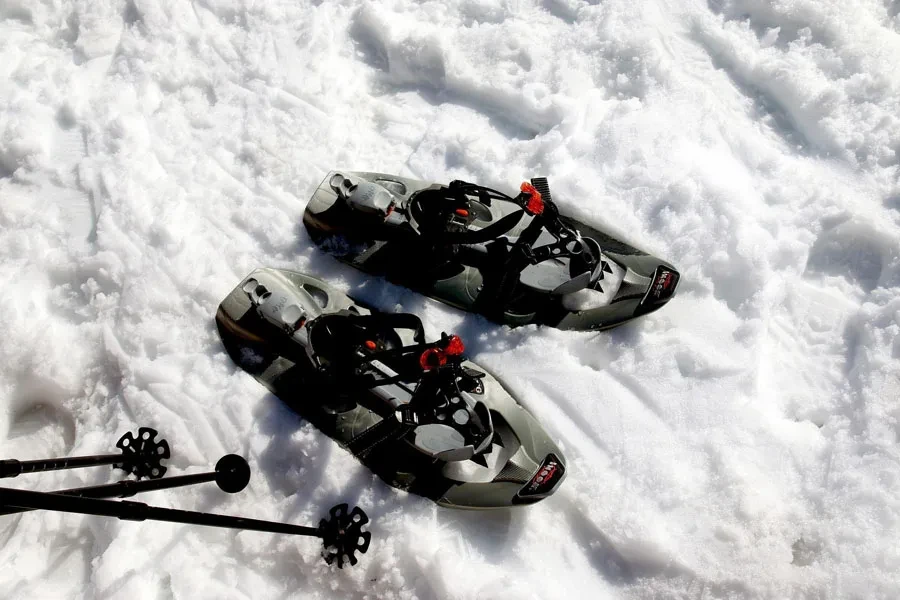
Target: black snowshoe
516, 259
417, 413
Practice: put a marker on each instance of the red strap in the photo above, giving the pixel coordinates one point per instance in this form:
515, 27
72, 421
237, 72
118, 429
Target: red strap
455, 346
432, 358
437, 357
535, 204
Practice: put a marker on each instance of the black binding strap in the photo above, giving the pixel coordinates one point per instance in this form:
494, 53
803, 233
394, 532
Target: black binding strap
377, 320
485, 194
350, 366
430, 383
512, 257
498, 290
386, 431
387, 355
543, 187
457, 193
491, 232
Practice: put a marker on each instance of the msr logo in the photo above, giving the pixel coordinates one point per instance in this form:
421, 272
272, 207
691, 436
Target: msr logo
549, 475
543, 475
664, 283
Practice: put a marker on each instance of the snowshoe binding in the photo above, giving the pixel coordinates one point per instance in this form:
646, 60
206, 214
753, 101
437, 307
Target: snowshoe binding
516, 260
417, 413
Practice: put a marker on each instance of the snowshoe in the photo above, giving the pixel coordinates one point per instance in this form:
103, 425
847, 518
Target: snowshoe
416, 413
516, 260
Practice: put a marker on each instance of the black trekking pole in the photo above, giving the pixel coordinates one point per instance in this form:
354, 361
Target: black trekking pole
141, 456
341, 534
231, 475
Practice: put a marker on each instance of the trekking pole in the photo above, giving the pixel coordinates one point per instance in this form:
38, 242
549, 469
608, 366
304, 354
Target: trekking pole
141, 456
231, 475
341, 534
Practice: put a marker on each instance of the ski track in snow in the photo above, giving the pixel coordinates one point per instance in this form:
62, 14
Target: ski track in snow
740, 443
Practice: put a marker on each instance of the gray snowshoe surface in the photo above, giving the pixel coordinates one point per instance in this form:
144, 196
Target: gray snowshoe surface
417, 413
514, 259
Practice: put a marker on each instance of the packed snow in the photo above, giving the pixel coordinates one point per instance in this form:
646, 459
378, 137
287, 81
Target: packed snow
742, 442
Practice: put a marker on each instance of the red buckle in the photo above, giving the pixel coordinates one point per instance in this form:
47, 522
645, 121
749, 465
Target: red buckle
432, 358
455, 346
437, 357
535, 204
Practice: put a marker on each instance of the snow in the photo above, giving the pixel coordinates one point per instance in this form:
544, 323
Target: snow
740, 443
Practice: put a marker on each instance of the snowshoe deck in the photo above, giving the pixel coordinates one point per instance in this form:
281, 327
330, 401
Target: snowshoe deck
417, 413
516, 259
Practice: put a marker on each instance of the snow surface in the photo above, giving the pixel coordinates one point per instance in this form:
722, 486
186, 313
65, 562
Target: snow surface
740, 443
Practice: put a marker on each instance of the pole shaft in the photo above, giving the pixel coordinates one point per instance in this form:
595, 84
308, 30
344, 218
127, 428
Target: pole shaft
125, 489
12, 468
138, 511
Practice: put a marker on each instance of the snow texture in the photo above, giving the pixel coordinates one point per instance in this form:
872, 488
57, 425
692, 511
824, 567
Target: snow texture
740, 443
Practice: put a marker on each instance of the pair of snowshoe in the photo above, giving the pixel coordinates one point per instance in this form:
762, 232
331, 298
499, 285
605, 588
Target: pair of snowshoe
417, 413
